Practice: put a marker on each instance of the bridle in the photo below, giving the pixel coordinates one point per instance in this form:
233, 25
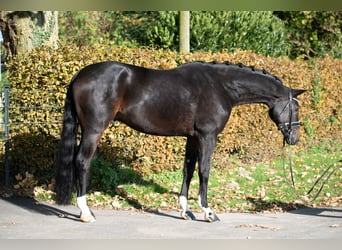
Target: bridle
286, 127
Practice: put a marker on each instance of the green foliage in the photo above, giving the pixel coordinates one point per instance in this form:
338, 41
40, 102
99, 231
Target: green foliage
313, 33
308, 128
164, 33
103, 175
257, 31
79, 27
3, 79
129, 28
42, 30
317, 90
32, 151
145, 28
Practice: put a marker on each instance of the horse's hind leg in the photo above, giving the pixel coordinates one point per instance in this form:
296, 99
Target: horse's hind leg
84, 156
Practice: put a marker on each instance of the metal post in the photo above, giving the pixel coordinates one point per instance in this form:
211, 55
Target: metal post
0, 57
0, 62
6, 122
1, 40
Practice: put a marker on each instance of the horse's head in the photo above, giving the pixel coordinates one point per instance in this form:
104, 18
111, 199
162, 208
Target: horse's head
285, 114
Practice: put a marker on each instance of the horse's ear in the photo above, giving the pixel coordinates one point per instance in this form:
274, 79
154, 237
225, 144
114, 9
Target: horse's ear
297, 92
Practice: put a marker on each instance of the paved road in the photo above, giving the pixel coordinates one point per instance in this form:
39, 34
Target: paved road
28, 219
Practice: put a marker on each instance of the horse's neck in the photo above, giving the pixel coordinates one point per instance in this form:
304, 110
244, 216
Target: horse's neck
246, 97
265, 91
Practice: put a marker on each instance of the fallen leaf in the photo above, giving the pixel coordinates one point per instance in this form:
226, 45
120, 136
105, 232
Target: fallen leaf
334, 225
256, 227
245, 173
233, 184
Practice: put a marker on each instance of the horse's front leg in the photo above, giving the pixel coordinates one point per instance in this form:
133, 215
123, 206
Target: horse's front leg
207, 146
191, 156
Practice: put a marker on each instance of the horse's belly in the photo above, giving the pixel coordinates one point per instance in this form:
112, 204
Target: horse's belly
158, 125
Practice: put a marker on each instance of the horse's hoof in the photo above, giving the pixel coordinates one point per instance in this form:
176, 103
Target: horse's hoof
188, 215
88, 218
211, 217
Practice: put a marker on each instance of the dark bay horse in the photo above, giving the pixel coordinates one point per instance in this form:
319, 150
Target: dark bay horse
193, 100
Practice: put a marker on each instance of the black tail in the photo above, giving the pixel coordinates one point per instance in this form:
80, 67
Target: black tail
65, 157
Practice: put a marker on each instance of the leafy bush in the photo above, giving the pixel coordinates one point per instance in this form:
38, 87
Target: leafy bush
257, 31
313, 33
103, 175
79, 27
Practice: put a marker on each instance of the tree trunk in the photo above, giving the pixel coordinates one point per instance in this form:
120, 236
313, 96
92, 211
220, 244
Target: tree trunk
184, 31
24, 30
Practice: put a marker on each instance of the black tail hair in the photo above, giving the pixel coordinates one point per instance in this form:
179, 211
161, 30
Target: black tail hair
65, 169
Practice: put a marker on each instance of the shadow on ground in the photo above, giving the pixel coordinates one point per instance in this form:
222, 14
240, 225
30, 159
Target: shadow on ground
337, 212
274, 205
35, 206
294, 208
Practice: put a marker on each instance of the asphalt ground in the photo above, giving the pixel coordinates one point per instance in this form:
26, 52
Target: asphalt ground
22, 218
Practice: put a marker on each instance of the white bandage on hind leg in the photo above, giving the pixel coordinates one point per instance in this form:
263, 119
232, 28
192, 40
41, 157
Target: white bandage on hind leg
184, 203
206, 210
82, 204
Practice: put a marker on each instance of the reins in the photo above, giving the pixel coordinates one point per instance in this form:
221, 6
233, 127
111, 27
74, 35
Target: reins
288, 128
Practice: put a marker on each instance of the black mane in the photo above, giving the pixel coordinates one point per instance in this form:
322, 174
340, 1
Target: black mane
240, 65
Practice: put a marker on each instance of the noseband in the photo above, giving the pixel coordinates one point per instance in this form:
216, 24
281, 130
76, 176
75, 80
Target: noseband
286, 127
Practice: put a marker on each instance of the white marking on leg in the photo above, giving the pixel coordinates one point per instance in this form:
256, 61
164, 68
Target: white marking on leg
82, 204
186, 213
200, 202
207, 210
184, 203
209, 214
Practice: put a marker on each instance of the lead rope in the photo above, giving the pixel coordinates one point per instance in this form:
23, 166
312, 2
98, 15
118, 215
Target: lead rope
292, 183
290, 129
326, 179
332, 168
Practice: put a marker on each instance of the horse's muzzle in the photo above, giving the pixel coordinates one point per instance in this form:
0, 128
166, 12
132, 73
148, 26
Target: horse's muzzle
292, 137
